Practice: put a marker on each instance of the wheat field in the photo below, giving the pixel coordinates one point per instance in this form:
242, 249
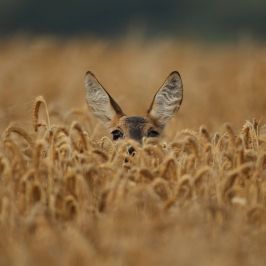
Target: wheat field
70, 196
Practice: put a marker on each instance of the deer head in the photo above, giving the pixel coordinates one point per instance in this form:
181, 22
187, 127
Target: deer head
165, 104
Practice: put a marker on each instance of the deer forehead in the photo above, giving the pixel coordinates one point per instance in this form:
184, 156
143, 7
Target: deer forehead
135, 120
129, 123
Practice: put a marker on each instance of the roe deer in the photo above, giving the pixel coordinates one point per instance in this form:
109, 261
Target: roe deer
165, 103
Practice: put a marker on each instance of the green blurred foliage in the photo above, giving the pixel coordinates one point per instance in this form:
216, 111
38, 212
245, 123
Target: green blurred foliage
205, 18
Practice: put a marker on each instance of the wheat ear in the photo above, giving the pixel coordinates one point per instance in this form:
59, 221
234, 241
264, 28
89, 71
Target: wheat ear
36, 109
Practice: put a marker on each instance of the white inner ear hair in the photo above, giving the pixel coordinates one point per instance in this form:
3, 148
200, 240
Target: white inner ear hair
99, 101
167, 101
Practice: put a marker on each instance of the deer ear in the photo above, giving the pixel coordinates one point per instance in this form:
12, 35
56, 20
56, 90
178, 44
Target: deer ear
167, 100
99, 100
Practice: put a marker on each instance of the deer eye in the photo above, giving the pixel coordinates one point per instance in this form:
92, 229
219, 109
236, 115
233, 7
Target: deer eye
152, 133
117, 134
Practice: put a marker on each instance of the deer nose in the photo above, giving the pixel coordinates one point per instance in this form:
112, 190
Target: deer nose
131, 151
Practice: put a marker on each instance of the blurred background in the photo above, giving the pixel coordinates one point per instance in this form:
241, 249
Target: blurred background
131, 46
205, 19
